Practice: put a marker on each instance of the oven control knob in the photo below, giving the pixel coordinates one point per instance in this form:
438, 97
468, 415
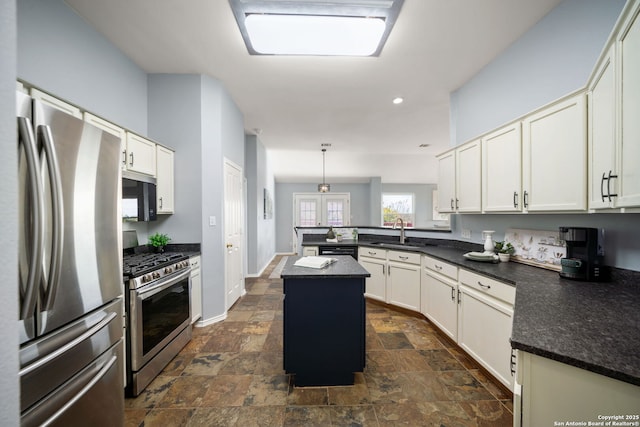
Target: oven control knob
146, 278
156, 275
168, 270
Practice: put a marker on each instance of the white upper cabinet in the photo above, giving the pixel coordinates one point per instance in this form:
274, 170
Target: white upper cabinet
164, 180
469, 177
447, 181
602, 134
141, 154
501, 170
112, 129
54, 102
628, 51
554, 158
459, 179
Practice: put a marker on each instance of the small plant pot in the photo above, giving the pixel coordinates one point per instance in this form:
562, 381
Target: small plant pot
504, 257
158, 249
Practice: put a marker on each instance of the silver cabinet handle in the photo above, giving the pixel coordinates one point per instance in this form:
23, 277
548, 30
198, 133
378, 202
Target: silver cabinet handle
609, 195
451, 204
526, 199
453, 295
515, 199
403, 257
602, 180
131, 159
124, 157
438, 267
160, 202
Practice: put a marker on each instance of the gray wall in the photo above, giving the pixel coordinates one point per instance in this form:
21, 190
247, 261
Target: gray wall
552, 59
62, 54
261, 231
9, 389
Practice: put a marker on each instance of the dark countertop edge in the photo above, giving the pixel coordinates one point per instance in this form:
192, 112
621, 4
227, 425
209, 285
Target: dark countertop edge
186, 248
515, 274
346, 267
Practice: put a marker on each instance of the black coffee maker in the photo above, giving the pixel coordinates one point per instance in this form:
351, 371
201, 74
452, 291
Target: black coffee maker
585, 254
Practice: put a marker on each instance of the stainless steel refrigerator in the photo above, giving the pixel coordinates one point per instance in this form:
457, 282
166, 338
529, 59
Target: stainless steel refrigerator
70, 281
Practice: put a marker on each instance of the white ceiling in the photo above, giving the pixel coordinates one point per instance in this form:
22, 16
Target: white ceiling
299, 103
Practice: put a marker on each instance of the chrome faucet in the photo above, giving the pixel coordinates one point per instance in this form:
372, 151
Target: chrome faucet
401, 229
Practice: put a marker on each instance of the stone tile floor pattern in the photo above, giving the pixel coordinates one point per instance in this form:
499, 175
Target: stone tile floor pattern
231, 374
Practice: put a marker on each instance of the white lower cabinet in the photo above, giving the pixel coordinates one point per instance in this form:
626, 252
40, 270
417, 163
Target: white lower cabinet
375, 262
439, 295
551, 392
485, 315
196, 288
309, 251
403, 279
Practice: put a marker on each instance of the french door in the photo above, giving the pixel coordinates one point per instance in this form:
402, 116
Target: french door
318, 210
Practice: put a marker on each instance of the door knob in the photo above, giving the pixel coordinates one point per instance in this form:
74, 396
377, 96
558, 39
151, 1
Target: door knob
229, 245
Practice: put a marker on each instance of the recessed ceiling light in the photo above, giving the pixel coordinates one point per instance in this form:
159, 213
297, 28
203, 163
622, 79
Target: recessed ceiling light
398, 100
424, 145
303, 27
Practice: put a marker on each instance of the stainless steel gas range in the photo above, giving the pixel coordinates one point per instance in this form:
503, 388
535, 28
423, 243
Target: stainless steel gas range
158, 314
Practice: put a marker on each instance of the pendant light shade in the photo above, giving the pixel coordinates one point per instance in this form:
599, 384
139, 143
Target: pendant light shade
324, 187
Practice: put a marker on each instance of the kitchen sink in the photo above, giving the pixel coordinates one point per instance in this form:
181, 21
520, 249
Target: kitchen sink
398, 245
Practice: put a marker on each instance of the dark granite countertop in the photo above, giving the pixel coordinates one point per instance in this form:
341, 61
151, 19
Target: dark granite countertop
590, 325
345, 267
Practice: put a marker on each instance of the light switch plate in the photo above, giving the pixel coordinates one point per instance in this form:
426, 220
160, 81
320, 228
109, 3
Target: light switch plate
465, 233
212, 221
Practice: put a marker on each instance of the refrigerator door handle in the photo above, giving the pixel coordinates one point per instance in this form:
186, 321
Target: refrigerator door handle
101, 373
57, 215
63, 349
29, 295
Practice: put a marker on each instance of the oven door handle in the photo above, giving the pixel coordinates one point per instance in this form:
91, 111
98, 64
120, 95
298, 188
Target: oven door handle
159, 287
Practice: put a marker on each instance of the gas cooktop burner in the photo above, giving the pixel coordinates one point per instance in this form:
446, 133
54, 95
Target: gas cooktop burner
140, 264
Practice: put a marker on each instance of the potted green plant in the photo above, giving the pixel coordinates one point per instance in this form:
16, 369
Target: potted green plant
159, 241
504, 250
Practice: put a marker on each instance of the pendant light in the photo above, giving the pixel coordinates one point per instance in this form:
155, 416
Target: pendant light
324, 187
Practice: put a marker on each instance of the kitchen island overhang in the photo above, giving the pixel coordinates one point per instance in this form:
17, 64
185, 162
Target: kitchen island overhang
324, 322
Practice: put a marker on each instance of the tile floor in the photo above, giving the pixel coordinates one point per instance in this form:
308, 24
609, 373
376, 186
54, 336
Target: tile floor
230, 374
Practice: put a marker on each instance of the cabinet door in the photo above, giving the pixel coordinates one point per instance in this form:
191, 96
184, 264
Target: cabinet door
54, 102
113, 130
484, 330
375, 286
404, 285
501, 170
439, 302
629, 60
447, 181
469, 177
602, 134
141, 155
555, 157
196, 288
310, 251
164, 180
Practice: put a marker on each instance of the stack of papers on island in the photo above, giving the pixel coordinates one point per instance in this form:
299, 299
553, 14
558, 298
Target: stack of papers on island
314, 261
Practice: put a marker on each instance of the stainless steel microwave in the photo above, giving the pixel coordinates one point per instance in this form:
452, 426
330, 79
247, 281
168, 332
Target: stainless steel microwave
138, 197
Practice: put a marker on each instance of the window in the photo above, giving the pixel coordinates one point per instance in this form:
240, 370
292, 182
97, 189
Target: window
397, 205
321, 210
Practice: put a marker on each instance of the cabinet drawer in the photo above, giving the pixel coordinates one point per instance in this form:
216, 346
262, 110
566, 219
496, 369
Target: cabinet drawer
441, 267
499, 290
194, 261
409, 257
372, 253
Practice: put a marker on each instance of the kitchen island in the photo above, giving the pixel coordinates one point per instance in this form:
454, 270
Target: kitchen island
324, 322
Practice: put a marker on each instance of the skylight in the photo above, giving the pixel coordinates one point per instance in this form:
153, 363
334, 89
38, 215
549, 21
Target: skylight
319, 27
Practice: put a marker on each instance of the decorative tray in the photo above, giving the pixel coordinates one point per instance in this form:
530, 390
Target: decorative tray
481, 257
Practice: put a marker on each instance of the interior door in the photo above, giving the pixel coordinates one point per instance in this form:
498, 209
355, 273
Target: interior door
234, 233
